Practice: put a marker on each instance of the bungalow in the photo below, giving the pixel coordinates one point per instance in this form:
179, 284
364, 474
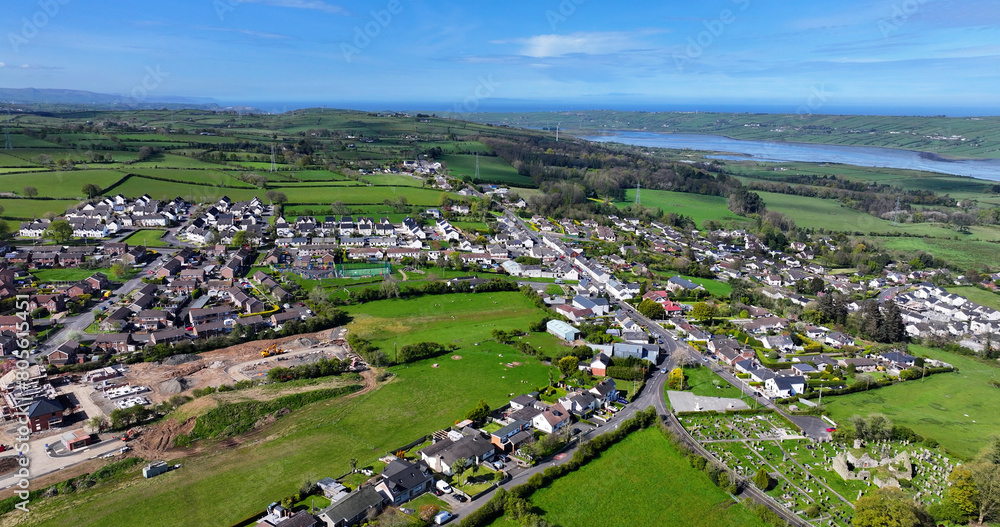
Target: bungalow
522, 401
861, 364
780, 387
504, 437
355, 508
763, 325
838, 340
898, 360
677, 284
402, 481
470, 445
731, 356
778, 342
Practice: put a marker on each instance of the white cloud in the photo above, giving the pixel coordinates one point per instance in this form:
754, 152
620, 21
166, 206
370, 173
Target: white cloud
315, 5
591, 43
247, 32
2, 64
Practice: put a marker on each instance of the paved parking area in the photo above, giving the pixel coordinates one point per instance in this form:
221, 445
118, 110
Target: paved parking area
689, 402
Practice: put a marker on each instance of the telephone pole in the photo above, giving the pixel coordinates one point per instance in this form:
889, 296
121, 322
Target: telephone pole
638, 193
274, 164
476, 177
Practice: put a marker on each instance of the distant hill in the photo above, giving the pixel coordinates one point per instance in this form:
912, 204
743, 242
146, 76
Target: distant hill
80, 97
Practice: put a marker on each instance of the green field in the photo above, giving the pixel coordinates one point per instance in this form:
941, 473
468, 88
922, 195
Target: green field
463, 319
66, 184
959, 252
64, 275
27, 209
147, 237
703, 381
314, 442
491, 169
643, 480
695, 206
953, 408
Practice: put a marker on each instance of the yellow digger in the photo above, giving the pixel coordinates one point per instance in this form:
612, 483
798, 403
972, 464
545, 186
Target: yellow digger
273, 349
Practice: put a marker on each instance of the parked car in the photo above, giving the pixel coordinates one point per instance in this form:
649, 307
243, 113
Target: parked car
498, 465
461, 498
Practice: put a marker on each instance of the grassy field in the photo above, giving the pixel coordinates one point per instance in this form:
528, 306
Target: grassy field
491, 169
67, 275
642, 480
953, 408
696, 206
34, 208
717, 288
65, 184
147, 237
703, 381
979, 296
314, 442
460, 318
961, 252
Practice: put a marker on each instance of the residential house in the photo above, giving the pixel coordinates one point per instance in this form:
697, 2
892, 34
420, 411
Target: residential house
470, 445
44, 414
551, 419
355, 508
781, 387
402, 481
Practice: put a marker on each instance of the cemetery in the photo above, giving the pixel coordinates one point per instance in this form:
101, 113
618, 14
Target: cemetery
818, 481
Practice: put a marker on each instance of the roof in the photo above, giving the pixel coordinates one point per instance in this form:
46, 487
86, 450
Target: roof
401, 475
44, 407
523, 400
560, 327
515, 425
469, 447
354, 505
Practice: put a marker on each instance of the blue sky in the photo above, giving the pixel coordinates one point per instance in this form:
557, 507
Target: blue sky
927, 55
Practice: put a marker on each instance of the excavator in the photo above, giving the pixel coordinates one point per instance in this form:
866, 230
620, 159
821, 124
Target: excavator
273, 349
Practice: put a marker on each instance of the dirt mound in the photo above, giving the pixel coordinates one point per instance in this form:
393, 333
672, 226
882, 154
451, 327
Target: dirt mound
456, 357
8, 464
301, 343
154, 442
180, 359
173, 386
217, 364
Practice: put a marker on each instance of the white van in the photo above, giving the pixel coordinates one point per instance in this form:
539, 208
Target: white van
443, 517
443, 486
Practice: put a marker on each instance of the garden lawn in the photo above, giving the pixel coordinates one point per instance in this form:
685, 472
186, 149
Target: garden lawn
643, 480
956, 409
147, 237
317, 441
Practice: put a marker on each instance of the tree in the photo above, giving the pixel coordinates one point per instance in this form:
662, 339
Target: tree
480, 412
652, 310
962, 221
60, 231
676, 379
390, 287
91, 190
987, 478
30, 191
893, 329
244, 238
762, 479
962, 491
871, 320
568, 365
743, 202
340, 209
276, 197
118, 270
354, 465
703, 312
457, 467
886, 507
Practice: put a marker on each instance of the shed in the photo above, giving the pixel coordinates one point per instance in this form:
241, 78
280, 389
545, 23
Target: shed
562, 330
